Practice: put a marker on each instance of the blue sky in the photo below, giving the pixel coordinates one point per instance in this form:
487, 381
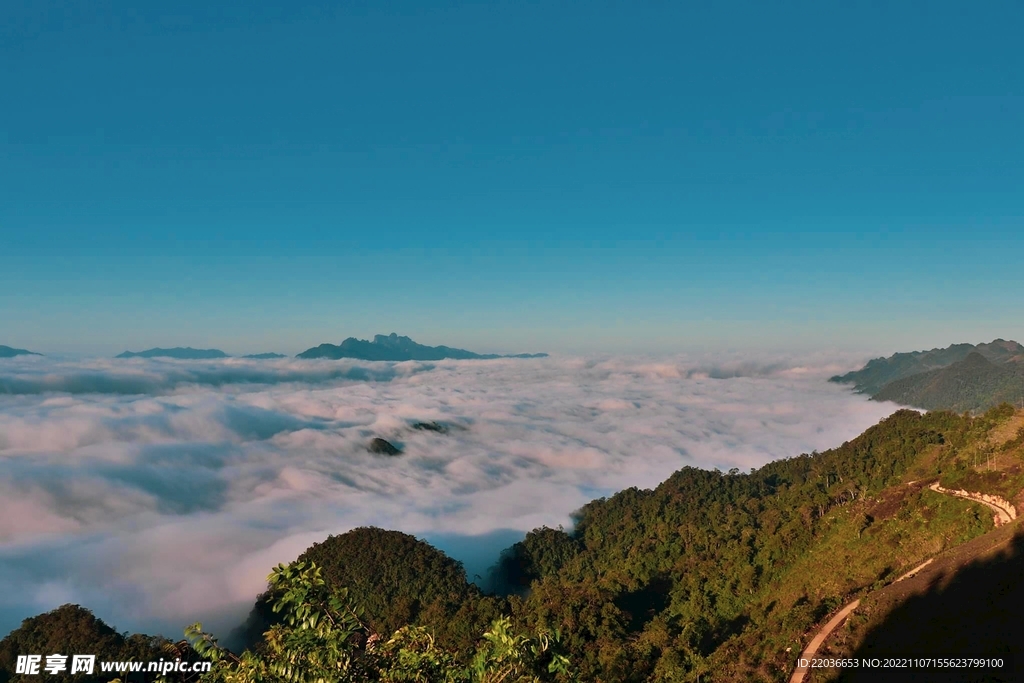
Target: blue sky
510, 176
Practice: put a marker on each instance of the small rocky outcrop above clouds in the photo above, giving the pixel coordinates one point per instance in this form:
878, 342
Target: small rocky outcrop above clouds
430, 427
380, 446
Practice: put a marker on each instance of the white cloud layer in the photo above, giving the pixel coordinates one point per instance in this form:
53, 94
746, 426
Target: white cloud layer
158, 493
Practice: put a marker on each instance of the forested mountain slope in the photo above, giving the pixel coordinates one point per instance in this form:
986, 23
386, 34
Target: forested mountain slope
962, 377
721, 573
971, 384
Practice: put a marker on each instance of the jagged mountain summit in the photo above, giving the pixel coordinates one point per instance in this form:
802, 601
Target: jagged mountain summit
186, 353
961, 377
264, 356
8, 352
395, 348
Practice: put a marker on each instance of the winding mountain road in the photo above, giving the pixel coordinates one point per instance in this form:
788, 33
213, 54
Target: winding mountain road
817, 640
1004, 514
812, 647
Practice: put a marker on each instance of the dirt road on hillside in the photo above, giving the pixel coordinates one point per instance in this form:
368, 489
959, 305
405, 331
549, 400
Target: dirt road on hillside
1004, 514
816, 641
833, 624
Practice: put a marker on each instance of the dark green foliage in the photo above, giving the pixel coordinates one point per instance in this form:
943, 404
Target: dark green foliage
542, 553
321, 637
68, 630
400, 580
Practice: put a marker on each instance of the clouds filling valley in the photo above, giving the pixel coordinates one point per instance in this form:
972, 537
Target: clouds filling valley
158, 493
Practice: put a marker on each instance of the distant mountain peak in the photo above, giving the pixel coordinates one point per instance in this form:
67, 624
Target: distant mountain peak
9, 352
393, 347
391, 339
181, 353
975, 359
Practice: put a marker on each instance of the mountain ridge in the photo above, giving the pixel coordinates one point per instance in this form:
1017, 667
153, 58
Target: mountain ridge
960, 377
880, 371
970, 384
10, 352
178, 352
393, 347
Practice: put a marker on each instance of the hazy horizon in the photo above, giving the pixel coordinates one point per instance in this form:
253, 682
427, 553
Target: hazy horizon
856, 352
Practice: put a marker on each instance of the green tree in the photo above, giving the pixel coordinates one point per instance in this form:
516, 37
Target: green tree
322, 638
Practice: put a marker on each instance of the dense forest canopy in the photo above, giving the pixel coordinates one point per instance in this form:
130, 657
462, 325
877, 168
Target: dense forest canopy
398, 580
72, 629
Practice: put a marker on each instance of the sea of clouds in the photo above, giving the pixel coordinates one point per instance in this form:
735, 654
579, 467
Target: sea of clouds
158, 493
